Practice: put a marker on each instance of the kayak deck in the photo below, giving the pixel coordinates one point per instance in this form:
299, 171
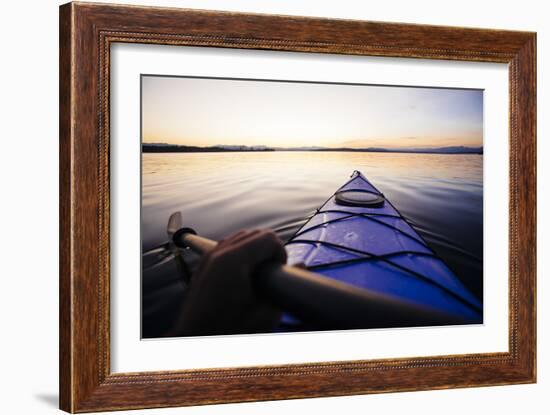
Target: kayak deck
372, 246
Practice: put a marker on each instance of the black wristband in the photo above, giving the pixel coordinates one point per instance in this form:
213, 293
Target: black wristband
178, 236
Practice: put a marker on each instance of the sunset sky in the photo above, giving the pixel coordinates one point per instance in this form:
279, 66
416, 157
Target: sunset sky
207, 112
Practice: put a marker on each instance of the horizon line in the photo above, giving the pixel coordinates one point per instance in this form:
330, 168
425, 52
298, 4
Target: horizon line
312, 146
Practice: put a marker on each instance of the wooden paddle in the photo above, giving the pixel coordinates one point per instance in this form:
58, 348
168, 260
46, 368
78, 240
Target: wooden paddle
322, 301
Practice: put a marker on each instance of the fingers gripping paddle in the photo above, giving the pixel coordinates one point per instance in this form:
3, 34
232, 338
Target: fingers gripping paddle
321, 300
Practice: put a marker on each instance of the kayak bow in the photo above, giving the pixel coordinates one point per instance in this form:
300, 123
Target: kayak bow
358, 237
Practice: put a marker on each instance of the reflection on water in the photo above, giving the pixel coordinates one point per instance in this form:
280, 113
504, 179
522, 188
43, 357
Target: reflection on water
221, 193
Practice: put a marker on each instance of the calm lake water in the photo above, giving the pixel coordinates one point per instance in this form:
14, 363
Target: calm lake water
221, 193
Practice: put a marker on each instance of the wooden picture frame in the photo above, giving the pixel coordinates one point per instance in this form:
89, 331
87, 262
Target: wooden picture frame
86, 33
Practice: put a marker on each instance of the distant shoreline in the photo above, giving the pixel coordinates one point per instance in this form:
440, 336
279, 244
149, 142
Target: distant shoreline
169, 148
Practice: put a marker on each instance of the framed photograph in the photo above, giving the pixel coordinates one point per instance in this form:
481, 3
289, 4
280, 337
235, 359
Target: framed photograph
260, 207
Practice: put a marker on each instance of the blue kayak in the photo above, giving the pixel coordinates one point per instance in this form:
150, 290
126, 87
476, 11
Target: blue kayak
358, 237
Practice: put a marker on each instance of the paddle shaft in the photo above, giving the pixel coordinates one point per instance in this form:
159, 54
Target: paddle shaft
326, 302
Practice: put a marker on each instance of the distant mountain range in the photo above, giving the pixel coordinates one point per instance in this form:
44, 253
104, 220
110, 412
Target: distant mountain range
174, 148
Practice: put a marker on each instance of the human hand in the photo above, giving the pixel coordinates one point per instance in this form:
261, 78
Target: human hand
221, 298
